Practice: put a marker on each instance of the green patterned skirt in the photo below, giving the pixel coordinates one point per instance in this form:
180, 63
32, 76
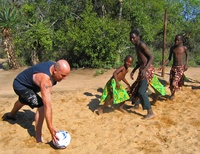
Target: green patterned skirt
157, 85
110, 91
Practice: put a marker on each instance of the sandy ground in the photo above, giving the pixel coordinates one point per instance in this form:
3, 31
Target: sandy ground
175, 129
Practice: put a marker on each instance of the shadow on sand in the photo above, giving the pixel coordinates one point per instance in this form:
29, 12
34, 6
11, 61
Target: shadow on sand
94, 103
24, 119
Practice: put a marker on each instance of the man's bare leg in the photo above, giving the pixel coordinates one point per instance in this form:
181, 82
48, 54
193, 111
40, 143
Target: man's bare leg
39, 119
17, 106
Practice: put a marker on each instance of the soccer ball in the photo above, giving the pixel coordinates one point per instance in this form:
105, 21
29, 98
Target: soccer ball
64, 139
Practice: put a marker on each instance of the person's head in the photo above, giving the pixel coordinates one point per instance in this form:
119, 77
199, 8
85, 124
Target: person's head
128, 61
134, 37
61, 70
178, 39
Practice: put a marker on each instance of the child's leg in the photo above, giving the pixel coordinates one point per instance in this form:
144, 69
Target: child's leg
172, 90
172, 95
136, 103
121, 107
100, 109
155, 97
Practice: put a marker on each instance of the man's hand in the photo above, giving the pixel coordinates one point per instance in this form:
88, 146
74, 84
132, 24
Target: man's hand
53, 134
143, 73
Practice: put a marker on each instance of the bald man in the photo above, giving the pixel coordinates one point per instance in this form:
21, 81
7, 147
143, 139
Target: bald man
39, 78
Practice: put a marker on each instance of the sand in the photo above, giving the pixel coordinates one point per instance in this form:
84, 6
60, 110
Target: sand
175, 128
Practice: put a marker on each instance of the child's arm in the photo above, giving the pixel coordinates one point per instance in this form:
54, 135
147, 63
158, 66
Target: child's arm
126, 82
116, 72
168, 60
186, 54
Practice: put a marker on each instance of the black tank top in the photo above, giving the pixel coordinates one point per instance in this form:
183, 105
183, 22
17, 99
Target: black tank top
25, 79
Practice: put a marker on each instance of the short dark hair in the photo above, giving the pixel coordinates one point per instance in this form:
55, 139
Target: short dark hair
180, 35
135, 32
127, 57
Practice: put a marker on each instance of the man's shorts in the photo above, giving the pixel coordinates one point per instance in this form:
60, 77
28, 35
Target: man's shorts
29, 97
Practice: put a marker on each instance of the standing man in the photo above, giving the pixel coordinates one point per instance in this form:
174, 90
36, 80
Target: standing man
39, 78
146, 72
180, 64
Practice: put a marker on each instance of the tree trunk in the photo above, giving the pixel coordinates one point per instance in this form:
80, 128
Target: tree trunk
34, 58
8, 48
164, 42
120, 9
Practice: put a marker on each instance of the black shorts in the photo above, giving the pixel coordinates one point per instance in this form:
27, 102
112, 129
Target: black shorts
29, 97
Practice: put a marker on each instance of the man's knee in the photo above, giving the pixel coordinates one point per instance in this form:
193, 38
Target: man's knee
31, 98
33, 101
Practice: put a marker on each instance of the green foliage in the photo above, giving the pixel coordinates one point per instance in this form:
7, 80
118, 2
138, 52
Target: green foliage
157, 56
9, 14
36, 34
2, 55
197, 60
95, 40
6, 66
90, 33
145, 16
99, 72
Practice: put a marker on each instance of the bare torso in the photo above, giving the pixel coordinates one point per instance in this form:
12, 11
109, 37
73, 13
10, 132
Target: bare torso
121, 75
178, 55
141, 56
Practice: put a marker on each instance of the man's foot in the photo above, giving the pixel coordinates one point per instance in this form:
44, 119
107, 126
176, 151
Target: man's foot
149, 116
39, 139
7, 117
99, 111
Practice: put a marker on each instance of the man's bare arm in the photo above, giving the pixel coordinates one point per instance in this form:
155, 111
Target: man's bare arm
44, 82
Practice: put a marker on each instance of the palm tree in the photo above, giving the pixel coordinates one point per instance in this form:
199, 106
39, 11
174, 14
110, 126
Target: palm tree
8, 20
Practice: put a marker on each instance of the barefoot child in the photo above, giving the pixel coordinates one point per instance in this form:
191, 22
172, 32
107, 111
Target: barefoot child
177, 51
114, 92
